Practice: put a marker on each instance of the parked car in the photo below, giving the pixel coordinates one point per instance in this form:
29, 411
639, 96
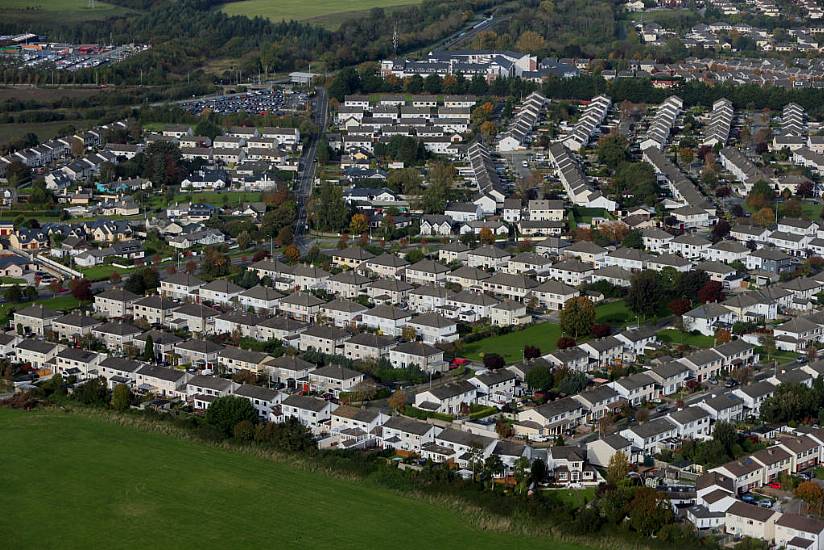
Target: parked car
774, 485
747, 497
765, 503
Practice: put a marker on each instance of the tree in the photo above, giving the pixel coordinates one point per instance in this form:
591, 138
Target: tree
761, 195
791, 208
612, 150
531, 352
13, 294
530, 41
538, 471
634, 239
329, 209
148, 350
539, 378
81, 289
726, 435
648, 511
573, 383
764, 216
486, 236
565, 342
441, 176
397, 401
813, 496
577, 316
292, 253
618, 468
503, 428
215, 262
225, 412
359, 224
679, 306
163, 164
493, 361
712, 291
720, 230
643, 295
121, 397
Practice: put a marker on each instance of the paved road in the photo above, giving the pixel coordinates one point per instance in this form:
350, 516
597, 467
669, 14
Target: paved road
304, 186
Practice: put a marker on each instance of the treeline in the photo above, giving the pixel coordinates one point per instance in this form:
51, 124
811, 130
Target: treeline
184, 34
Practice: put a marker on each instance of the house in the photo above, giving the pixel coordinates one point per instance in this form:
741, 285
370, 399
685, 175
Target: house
198, 352
348, 284
651, 437
357, 427
707, 318
669, 377
495, 388
116, 335
233, 360
745, 473
262, 399
449, 398
426, 272
407, 434
509, 313
386, 319
636, 341
324, 339
259, 298
636, 388
691, 422
114, 303
73, 326
553, 418
804, 451
220, 291
36, 353
604, 352
419, 354
799, 532
203, 390
753, 395
367, 347
566, 465
748, 520
118, 370
598, 401
154, 309
314, 413
724, 407
34, 320
180, 285
161, 381
301, 306
288, 370
600, 451
334, 379
553, 295
433, 328
462, 448
574, 358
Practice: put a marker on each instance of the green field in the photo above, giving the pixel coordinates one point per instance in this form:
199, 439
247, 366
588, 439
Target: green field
102, 272
64, 303
544, 335
44, 130
70, 479
66, 10
674, 336
328, 12
214, 198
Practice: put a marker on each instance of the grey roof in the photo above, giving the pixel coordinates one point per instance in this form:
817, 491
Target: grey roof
256, 392
451, 389
211, 382
408, 425
652, 428
305, 402
336, 372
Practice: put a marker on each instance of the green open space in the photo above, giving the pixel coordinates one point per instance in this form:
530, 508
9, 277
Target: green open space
66, 10
122, 487
102, 272
66, 302
329, 13
215, 198
543, 335
43, 130
675, 336
572, 497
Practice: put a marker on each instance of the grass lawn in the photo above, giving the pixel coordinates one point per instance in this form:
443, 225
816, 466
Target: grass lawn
102, 272
123, 488
674, 336
544, 335
65, 302
44, 130
326, 10
572, 497
214, 198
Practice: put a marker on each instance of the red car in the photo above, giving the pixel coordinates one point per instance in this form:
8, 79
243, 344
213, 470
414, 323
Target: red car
774, 485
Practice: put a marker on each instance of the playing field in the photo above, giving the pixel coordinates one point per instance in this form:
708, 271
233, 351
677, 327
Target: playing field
326, 10
70, 481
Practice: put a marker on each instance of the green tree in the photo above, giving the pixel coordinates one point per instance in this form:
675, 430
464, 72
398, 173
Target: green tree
648, 511
436, 194
643, 297
612, 150
148, 350
726, 435
121, 397
634, 239
330, 212
577, 316
225, 412
163, 164
539, 378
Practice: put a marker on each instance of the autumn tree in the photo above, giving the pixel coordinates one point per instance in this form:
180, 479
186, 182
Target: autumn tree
81, 289
359, 224
648, 511
712, 291
679, 306
530, 41
486, 236
121, 397
397, 401
813, 496
292, 253
577, 316
618, 468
